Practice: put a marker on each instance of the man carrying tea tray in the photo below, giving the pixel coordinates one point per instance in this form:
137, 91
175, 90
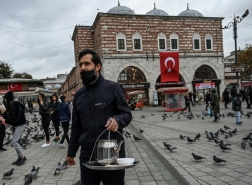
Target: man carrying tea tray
93, 105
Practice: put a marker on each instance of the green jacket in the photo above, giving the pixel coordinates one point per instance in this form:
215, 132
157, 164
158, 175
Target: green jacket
215, 101
236, 105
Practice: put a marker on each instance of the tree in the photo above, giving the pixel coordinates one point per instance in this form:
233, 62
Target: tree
245, 59
22, 75
6, 70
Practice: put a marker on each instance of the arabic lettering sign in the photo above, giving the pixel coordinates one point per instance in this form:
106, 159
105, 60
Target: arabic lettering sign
135, 86
209, 85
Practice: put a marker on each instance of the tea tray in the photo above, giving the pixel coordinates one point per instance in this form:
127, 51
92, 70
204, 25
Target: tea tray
94, 165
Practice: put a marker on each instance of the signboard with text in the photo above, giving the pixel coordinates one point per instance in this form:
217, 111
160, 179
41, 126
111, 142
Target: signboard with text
237, 68
209, 85
136, 86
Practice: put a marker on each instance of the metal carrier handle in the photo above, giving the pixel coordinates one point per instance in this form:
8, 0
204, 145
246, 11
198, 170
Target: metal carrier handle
99, 137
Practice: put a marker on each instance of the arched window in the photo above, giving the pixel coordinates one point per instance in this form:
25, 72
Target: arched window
137, 42
196, 42
121, 42
161, 42
204, 72
131, 75
208, 42
174, 41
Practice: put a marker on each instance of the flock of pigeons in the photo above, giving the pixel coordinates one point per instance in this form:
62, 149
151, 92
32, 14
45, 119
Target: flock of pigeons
36, 134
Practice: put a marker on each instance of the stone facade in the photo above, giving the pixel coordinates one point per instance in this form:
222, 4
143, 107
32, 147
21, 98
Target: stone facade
102, 37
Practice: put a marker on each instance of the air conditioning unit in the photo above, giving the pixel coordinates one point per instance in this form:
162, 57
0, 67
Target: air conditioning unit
104, 27
147, 29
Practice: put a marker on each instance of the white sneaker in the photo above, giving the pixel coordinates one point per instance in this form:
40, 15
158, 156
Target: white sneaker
62, 145
46, 145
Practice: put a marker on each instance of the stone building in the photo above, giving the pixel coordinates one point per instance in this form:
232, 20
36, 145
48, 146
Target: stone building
129, 45
54, 84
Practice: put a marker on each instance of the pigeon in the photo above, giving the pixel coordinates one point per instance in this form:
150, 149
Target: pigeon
33, 174
224, 143
197, 116
152, 114
28, 180
217, 141
222, 131
209, 138
64, 165
182, 137
226, 136
58, 169
128, 133
127, 136
218, 160
202, 118
243, 144
234, 131
197, 136
142, 116
141, 130
197, 157
8, 174
190, 140
170, 147
226, 127
246, 138
212, 135
230, 134
178, 117
224, 147
33, 169
206, 131
136, 138
217, 133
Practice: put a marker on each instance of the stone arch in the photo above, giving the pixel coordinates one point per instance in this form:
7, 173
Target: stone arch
209, 64
144, 71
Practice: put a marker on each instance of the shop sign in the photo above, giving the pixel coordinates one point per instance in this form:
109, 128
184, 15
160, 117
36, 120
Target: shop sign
136, 86
210, 85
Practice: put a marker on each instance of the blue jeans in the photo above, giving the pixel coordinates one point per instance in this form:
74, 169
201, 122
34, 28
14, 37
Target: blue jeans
238, 116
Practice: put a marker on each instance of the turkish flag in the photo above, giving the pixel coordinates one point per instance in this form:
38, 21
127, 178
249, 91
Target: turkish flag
169, 66
15, 86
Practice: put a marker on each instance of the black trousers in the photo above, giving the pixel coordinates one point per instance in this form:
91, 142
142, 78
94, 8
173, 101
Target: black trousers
226, 102
46, 119
187, 106
94, 177
247, 101
65, 126
2, 133
56, 124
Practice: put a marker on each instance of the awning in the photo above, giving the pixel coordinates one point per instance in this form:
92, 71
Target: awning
173, 89
246, 84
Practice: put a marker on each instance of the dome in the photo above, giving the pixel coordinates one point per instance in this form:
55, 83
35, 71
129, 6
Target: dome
57, 86
120, 10
49, 87
190, 13
157, 12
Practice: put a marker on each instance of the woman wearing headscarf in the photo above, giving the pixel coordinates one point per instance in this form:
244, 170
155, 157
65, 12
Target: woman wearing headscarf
54, 112
2, 125
15, 116
46, 118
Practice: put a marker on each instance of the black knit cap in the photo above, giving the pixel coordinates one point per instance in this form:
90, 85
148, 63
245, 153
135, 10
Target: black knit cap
9, 95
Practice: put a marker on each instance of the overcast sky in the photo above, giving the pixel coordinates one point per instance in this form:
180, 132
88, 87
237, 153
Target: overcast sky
49, 15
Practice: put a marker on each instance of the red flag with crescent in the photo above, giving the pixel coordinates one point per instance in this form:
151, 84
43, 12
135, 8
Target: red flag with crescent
15, 86
169, 66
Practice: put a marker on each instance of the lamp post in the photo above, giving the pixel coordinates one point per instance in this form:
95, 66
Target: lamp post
236, 19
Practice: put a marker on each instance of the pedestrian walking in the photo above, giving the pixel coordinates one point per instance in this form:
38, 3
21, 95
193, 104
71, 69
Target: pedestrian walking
237, 107
215, 105
200, 97
194, 98
15, 116
233, 92
226, 97
208, 99
247, 97
98, 106
46, 118
54, 106
2, 125
250, 96
187, 103
65, 116
190, 94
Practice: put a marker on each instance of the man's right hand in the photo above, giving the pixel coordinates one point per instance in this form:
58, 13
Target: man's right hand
70, 161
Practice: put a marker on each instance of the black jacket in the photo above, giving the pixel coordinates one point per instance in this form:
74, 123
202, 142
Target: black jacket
55, 108
233, 92
44, 109
17, 115
93, 104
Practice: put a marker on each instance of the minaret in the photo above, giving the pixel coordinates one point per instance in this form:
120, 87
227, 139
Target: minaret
119, 3
154, 5
187, 6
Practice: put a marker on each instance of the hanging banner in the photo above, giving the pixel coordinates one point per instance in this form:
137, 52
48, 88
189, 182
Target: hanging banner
169, 66
209, 85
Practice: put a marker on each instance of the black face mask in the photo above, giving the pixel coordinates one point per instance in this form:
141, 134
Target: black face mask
88, 76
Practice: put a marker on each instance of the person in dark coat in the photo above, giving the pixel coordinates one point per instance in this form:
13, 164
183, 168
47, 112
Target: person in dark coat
215, 105
65, 116
54, 106
250, 96
190, 94
247, 97
2, 125
237, 107
233, 92
187, 103
208, 99
15, 116
98, 106
226, 97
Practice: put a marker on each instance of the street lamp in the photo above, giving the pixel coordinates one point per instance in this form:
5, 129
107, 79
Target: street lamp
236, 19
